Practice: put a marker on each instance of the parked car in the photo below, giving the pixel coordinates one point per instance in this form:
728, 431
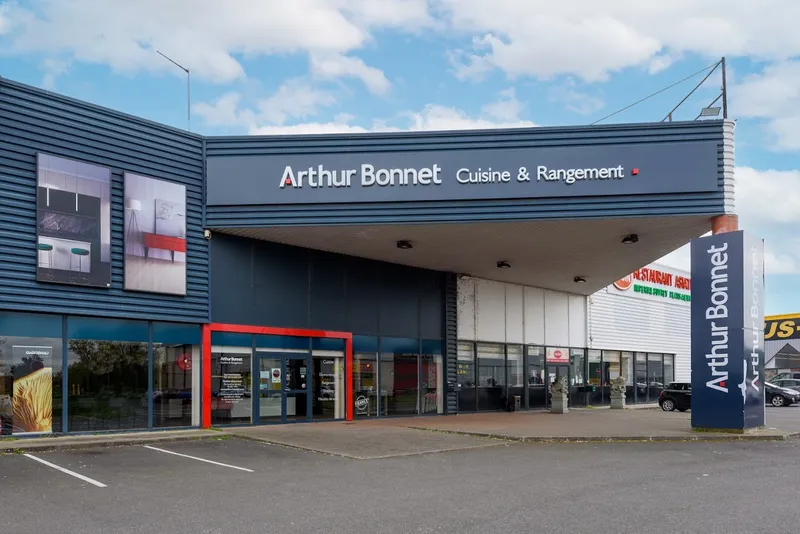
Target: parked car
788, 383
785, 376
778, 396
676, 396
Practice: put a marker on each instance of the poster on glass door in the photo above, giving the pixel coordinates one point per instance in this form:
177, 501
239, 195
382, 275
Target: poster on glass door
557, 355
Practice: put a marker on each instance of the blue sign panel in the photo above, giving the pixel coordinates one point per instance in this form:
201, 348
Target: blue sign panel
489, 173
727, 331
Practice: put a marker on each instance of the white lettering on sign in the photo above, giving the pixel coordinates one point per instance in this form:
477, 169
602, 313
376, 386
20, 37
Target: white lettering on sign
717, 313
756, 316
369, 175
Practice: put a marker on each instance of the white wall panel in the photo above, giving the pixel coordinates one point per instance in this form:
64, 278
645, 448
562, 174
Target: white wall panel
466, 308
577, 321
556, 318
534, 316
515, 309
490, 311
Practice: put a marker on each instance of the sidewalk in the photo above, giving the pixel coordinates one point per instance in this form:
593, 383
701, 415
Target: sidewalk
15, 445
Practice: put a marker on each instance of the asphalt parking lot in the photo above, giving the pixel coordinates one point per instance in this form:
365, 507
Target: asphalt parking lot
257, 487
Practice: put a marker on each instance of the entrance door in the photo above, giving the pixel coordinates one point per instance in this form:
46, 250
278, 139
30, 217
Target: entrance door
553, 372
283, 392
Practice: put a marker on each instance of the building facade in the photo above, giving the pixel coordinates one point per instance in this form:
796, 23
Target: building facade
153, 278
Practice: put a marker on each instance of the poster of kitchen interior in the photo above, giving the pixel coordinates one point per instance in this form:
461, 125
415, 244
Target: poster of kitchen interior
155, 235
73, 222
26, 391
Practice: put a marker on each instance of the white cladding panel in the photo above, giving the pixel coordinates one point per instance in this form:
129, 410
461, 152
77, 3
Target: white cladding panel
628, 322
508, 313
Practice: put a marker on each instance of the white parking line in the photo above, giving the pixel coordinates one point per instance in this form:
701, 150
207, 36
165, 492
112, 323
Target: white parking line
198, 459
67, 471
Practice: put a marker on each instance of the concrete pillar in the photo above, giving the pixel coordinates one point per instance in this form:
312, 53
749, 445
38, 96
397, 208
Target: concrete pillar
723, 224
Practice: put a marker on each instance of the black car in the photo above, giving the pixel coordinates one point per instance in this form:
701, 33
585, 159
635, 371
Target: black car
785, 376
676, 396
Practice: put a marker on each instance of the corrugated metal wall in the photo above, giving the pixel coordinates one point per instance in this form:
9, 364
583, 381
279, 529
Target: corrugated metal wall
451, 340
620, 322
713, 203
32, 120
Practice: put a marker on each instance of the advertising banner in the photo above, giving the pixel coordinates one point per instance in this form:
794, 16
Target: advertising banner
32, 397
459, 174
655, 282
557, 355
727, 313
155, 235
73, 222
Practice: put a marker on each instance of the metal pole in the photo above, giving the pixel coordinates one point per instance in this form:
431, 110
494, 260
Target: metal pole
724, 90
188, 87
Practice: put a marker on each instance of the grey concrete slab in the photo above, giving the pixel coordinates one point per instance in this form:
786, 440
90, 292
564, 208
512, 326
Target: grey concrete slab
554, 488
362, 440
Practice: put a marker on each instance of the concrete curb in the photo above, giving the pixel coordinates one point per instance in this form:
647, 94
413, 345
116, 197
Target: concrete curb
103, 440
619, 439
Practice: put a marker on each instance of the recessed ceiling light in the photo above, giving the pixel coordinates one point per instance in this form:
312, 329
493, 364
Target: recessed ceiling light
503, 265
630, 239
405, 245
579, 280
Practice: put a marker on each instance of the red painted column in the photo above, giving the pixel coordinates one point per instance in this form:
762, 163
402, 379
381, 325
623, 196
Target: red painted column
205, 373
348, 376
723, 224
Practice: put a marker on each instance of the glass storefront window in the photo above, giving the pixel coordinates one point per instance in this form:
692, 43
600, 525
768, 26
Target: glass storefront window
30, 382
611, 366
491, 376
577, 391
231, 385
641, 377
655, 375
669, 368
327, 379
595, 377
627, 372
432, 377
176, 375
365, 376
465, 368
516, 372
537, 389
399, 375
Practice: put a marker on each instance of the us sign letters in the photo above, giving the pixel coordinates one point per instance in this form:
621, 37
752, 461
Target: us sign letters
727, 311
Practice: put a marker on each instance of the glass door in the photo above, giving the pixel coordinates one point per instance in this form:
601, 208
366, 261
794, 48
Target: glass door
270, 390
553, 372
283, 388
296, 398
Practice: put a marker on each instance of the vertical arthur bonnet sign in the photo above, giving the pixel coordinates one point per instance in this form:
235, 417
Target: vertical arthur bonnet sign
466, 174
728, 331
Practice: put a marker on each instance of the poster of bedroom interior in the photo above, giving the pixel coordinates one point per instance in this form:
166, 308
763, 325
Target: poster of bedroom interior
73, 222
155, 235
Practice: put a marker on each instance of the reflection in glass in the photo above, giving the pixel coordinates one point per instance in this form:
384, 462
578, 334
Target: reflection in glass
270, 388
328, 385
627, 372
669, 368
516, 372
491, 376
577, 392
231, 399
655, 376
30, 385
175, 373
365, 376
537, 389
432, 377
596, 376
641, 377
466, 377
107, 385
399, 375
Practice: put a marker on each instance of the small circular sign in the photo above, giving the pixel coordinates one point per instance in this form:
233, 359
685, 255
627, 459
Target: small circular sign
184, 362
276, 373
362, 403
624, 284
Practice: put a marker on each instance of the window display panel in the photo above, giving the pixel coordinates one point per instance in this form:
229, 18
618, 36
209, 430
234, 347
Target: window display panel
669, 368
231, 385
327, 379
30, 385
432, 377
516, 372
491, 376
577, 389
537, 389
467, 401
627, 372
365, 376
641, 377
176, 375
655, 376
595, 376
400, 375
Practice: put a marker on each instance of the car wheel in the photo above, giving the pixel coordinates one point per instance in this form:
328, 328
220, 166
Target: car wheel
778, 401
668, 405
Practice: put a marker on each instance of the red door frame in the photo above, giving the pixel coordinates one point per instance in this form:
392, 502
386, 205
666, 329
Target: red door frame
272, 331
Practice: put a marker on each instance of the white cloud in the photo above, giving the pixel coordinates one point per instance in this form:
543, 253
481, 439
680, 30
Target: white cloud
577, 101
206, 36
768, 203
773, 95
53, 68
334, 66
593, 39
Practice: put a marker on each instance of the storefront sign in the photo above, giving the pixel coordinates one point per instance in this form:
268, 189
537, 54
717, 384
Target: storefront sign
362, 403
655, 283
727, 331
782, 328
557, 355
538, 172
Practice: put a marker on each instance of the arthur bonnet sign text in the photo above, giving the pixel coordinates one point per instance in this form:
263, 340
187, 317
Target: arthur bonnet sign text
424, 175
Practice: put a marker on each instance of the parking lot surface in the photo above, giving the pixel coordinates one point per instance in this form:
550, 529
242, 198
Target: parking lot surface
257, 487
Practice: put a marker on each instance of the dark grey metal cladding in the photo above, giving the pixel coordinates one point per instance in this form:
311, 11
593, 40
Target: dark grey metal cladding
422, 211
34, 121
451, 341
268, 284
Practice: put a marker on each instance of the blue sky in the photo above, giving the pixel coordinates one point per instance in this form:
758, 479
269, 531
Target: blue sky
358, 65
